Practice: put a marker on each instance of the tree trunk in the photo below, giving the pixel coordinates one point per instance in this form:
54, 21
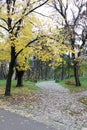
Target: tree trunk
2, 76
68, 72
62, 73
10, 72
19, 78
28, 74
41, 71
46, 71
76, 73
9, 78
76, 65
68, 65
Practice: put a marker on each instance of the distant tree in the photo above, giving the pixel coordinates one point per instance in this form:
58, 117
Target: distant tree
3, 70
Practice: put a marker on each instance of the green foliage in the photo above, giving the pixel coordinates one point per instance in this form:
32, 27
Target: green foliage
83, 68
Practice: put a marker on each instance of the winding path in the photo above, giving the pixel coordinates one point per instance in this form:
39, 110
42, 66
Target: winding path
52, 86
62, 108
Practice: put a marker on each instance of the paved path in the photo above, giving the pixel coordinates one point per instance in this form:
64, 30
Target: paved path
62, 108
12, 121
51, 86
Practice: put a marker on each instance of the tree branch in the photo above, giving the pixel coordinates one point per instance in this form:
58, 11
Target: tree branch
26, 46
61, 8
36, 39
4, 20
30, 11
4, 28
42, 14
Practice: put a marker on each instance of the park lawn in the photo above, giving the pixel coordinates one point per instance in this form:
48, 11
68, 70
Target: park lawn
27, 93
28, 85
73, 88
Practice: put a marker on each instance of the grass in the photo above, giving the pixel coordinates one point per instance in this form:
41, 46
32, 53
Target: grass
25, 94
31, 85
28, 87
73, 88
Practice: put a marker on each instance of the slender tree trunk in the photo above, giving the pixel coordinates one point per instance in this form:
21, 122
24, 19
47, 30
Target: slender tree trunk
2, 69
19, 78
10, 72
41, 70
68, 72
76, 73
9, 79
62, 73
46, 71
28, 74
68, 65
76, 66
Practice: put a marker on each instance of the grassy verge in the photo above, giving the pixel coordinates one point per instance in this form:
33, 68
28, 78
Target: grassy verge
27, 93
73, 88
28, 84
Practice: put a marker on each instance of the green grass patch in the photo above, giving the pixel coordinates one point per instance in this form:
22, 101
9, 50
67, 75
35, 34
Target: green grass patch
2, 82
28, 87
74, 88
31, 85
25, 94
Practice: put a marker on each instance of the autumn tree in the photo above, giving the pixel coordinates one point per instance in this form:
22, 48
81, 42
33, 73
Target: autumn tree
14, 16
71, 21
20, 41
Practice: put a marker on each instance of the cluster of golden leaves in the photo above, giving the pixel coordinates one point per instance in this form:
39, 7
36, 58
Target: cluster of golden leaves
48, 48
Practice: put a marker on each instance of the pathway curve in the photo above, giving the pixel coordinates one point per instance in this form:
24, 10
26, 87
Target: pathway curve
51, 86
57, 107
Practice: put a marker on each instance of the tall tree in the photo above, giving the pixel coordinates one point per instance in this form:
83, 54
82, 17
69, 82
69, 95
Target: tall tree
13, 20
17, 20
71, 21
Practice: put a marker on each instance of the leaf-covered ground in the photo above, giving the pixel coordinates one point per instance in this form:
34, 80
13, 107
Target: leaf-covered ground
54, 106
27, 93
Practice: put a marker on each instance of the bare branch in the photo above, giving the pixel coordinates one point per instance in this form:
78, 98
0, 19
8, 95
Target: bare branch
36, 7
61, 8
30, 11
80, 6
4, 28
42, 14
55, 6
4, 20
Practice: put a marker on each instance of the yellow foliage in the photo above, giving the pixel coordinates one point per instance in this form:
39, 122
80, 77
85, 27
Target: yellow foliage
47, 48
